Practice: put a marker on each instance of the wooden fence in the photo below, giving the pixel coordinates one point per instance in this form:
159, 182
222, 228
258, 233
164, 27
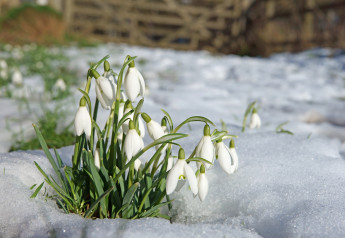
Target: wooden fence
214, 25
293, 25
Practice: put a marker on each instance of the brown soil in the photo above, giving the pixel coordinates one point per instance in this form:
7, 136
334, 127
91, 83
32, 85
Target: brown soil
33, 26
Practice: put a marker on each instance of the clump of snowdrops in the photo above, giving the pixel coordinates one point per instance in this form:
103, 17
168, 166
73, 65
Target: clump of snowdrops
108, 177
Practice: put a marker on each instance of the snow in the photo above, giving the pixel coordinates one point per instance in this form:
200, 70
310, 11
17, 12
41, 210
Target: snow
286, 185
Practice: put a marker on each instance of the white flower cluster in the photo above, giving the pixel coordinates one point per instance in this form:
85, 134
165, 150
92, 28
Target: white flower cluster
205, 150
204, 154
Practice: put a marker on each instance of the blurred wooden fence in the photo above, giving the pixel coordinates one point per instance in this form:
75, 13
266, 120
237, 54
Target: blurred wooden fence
214, 25
293, 25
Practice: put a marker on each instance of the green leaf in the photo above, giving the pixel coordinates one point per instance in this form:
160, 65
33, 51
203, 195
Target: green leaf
193, 119
280, 128
248, 110
37, 191
58, 158
138, 110
49, 156
94, 204
128, 212
95, 66
153, 209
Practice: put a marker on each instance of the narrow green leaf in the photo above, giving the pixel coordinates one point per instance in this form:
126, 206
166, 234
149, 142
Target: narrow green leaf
49, 156
153, 209
58, 158
193, 119
130, 193
95, 66
248, 110
198, 159
37, 190
33, 186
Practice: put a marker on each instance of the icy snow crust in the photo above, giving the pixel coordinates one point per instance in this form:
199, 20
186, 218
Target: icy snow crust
286, 186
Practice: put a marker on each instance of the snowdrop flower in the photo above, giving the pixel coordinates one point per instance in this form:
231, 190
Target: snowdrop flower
105, 90
181, 170
223, 154
97, 159
154, 129
134, 83
17, 78
125, 127
133, 144
255, 121
202, 183
3, 64
60, 85
205, 147
164, 125
82, 121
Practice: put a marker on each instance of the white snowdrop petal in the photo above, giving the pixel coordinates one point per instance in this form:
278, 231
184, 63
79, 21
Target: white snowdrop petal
193, 183
142, 83
132, 85
82, 122
155, 130
255, 121
234, 157
137, 164
105, 87
224, 158
174, 175
202, 186
170, 163
101, 99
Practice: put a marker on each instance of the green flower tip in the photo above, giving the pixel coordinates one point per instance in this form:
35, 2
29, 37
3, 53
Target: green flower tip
95, 73
163, 122
146, 117
132, 64
219, 140
207, 130
82, 102
106, 66
202, 169
131, 125
98, 145
255, 110
181, 154
232, 143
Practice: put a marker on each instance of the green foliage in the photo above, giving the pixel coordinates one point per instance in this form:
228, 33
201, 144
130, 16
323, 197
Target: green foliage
280, 128
248, 110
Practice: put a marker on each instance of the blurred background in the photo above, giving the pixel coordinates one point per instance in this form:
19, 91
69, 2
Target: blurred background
46, 47
244, 27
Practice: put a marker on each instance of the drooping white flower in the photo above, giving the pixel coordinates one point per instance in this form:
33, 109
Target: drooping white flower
97, 159
133, 144
227, 163
82, 121
202, 183
17, 78
60, 85
255, 121
3, 65
105, 90
134, 83
205, 148
125, 127
181, 170
154, 129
